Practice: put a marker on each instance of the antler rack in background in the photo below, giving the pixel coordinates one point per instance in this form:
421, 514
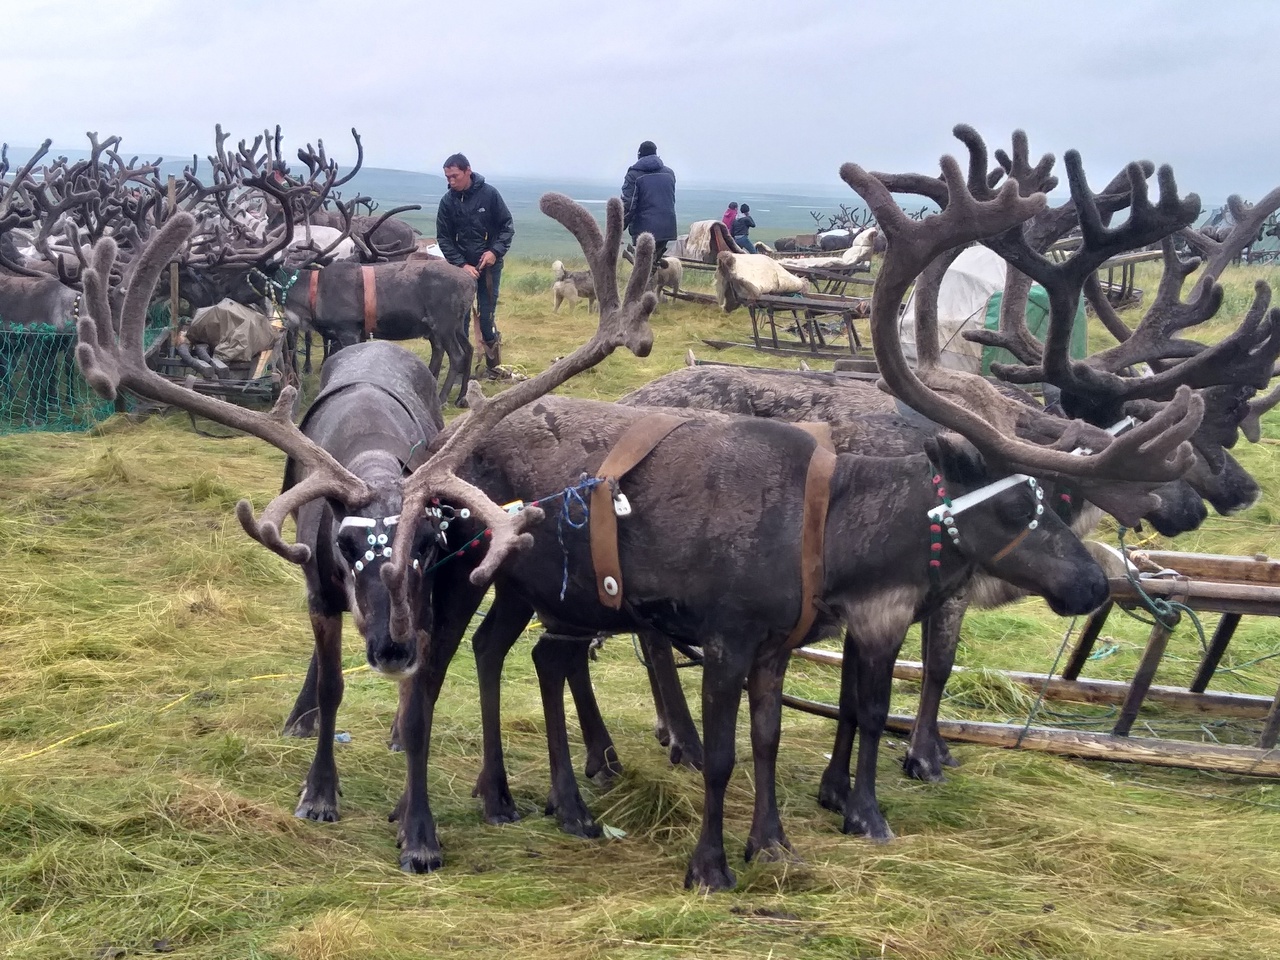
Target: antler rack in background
974, 209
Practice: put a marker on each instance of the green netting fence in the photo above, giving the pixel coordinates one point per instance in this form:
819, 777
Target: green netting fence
41, 387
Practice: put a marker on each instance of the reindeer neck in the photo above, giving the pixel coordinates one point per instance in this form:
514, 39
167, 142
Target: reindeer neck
878, 535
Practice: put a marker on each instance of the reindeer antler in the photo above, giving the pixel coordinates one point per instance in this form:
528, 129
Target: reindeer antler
110, 354
623, 323
971, 211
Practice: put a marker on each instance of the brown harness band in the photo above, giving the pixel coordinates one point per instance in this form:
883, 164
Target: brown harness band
636, 443
370, 301
1011, 546
817, 498
313, 291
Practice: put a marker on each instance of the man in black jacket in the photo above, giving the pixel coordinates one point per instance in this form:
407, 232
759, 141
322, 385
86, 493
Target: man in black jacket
649, 199
475, 230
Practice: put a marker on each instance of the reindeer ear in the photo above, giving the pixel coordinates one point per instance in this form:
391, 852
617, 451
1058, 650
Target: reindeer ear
957, 458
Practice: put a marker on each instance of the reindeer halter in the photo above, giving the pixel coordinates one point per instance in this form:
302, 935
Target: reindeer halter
943, 516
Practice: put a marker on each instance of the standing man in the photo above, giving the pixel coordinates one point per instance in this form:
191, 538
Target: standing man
475, 230
649, 199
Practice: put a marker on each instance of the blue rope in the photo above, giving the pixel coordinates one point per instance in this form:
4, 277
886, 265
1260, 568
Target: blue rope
572, 496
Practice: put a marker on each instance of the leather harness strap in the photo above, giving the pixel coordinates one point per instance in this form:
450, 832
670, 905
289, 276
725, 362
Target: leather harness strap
370, 300
636, 443
817, 498
820, 431
313, 291
1011, 545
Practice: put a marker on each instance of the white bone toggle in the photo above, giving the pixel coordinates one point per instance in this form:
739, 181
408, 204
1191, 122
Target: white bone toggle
359, 565
386, 551
372, 539
610, 586
621, 505
369, 555
382, 539
464, 513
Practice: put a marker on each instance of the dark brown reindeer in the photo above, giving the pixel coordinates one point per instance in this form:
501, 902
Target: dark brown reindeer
836, 400
371, 482
705, 561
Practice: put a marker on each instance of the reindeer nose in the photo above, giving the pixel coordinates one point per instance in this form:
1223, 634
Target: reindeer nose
1088, 591
393, 660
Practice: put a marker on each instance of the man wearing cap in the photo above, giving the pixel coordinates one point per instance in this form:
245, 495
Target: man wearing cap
474, 229
649, 199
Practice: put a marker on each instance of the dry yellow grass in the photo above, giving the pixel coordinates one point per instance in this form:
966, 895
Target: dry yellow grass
149, 653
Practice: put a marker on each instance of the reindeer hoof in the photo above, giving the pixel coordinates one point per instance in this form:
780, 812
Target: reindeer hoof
833, 793
709, 872
575, 819
321, 810
871, 825
603, 768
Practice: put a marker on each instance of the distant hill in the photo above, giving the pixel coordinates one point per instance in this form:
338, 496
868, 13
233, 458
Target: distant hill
780, 211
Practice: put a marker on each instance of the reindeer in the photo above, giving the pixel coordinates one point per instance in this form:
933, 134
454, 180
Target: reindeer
833, 399
370, 473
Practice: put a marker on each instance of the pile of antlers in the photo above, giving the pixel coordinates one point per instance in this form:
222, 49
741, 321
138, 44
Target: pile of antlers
1006, 209
51, 214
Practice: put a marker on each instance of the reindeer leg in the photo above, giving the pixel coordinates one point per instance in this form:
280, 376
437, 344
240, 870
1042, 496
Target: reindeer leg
305, 714
723, 672
876, 653
499, 630
674, 728
419, 847
764, 691
565, 801
927, 753
833, 793
602, 755
320, 790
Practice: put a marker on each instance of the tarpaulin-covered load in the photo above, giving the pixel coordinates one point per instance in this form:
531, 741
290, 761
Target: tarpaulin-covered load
237, 334
969, 299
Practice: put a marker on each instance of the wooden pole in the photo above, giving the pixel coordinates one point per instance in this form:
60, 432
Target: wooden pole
1248, 761
173, 276
1245, 706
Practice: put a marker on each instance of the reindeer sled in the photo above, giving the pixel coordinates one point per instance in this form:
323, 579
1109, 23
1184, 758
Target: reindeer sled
228, 350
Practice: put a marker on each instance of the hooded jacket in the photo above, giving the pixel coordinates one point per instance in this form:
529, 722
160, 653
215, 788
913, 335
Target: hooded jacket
649, 199
471, 222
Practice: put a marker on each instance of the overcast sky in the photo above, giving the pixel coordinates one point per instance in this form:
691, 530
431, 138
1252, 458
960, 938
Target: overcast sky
733, 92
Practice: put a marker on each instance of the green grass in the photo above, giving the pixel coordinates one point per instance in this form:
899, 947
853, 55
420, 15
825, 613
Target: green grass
149, 653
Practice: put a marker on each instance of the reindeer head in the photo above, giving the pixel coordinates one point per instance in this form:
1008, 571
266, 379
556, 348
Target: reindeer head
1008, 526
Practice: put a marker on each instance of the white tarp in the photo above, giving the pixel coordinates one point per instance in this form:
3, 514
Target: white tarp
962, 305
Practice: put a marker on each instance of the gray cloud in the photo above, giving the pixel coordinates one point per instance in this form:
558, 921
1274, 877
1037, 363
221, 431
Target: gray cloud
732, 92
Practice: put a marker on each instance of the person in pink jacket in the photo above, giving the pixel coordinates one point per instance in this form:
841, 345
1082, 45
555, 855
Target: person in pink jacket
730, 215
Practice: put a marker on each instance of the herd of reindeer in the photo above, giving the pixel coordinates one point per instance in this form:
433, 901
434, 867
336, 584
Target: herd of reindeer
262, 234
731, 511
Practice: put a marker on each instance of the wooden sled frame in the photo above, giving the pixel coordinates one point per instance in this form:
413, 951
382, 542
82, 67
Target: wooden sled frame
1231, 586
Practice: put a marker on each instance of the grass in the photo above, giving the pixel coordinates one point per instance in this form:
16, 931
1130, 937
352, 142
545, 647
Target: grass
149, 653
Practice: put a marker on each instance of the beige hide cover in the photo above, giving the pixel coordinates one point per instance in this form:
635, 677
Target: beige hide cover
236, 333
